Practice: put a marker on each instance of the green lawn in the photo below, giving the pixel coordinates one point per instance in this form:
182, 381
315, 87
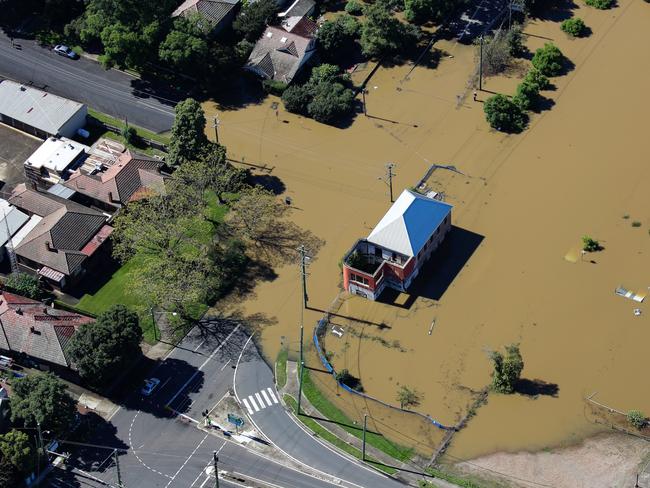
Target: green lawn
102, 117
330, 411
281, 368
325, 434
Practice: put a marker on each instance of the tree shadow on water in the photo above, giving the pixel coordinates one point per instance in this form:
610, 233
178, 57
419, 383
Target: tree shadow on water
536, 387
269, 182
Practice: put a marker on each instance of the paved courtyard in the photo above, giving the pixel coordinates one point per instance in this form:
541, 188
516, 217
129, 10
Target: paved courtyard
15, 148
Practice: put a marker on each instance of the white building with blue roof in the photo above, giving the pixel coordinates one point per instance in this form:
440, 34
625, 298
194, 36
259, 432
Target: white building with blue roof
394, 252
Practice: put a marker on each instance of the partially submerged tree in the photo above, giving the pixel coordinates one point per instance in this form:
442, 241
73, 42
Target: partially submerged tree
507, 369
637, 419
504, 115
548, 60
382, 35
408, 397
574, 26
102, 350
42, 399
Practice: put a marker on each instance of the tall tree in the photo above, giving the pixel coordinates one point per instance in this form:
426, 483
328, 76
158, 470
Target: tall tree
188, 139
42, 398
102, 350
186, 48
384, 35
253, 18
408, 397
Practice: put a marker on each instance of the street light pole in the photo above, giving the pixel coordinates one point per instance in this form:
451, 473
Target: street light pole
480, 65
363, 448
216, 469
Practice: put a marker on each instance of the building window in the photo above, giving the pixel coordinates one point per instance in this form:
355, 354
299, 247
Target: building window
378, 252
358, 279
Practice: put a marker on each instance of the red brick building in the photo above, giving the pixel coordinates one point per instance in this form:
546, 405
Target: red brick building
394, 252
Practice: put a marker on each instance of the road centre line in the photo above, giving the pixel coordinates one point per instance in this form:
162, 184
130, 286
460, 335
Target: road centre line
203, 365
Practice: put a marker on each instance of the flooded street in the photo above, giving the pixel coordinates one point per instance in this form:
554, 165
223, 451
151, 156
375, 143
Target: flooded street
512, 270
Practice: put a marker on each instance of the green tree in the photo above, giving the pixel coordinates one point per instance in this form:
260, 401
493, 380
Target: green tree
188, 139
507, 370
102, 350
296, 98
504, 115
548, 60
42, 398
24, 284
526, 95
345, 377
590, 245
16, 448
637, 419
384, 35
330, 101
535, 77
127, 47
337, 36
601, 4
574, 26
353, 7
185, 48
253, 18
408, 397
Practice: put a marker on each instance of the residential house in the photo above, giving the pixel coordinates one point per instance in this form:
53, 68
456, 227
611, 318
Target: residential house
219, 14
111, 185
39, 113
63, 240
396, 249
30, 329
11, 221
283, 50
54, 161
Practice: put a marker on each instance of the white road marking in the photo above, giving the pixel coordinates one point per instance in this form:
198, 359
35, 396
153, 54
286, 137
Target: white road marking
197, 347
136, 454
266, 397
224, 366
252, 400
206, 466
188, 458
202, 365
275, 400
259, 399
248, 407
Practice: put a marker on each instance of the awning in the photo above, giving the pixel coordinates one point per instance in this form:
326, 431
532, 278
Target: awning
97, 240
51, 274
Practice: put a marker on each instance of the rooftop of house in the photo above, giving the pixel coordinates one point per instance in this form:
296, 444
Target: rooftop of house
117, 183
279, 51
213, 10
409, 222
56, 154
37, 330
35, 107
58, 238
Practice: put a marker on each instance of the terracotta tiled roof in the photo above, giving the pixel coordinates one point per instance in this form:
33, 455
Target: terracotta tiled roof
119, 182
57, 240
32, 328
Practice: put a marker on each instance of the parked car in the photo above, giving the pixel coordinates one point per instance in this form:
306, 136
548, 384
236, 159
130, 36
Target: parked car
150, 385
64, 50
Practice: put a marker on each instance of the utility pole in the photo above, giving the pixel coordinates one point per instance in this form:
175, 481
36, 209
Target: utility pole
509, 14
117, 467
363, 446
153, 321
303, 305
480, 65
215, 126
41, 448
389, 179
363, 96
216, 469
303, 273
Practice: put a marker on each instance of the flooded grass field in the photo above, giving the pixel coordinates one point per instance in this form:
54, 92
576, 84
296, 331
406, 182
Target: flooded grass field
511, 270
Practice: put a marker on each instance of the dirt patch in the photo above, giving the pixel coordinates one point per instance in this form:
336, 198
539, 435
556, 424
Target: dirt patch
15, 148
606, 461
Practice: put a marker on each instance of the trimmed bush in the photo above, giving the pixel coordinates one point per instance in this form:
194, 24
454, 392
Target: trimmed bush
535, 77
504, 115
548, 60
575, 27
24, 284
296, 98
526, 95
353, 7
601, 4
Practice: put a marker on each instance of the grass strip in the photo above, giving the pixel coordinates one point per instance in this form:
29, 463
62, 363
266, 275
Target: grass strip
330, 411
147, 134
326, 435
281, 368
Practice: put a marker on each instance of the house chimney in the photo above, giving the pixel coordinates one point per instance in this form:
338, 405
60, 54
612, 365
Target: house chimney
110, 197
34, 186
49, 247
19, 311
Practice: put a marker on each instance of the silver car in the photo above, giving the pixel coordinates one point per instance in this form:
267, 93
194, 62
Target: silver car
64, 50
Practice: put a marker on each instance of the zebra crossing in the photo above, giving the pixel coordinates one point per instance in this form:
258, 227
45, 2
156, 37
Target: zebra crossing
259, 400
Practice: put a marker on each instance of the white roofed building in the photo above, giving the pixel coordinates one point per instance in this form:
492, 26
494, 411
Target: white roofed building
394, 252
39, 113
54, 161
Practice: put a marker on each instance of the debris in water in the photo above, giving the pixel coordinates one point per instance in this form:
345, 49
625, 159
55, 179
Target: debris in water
433, 322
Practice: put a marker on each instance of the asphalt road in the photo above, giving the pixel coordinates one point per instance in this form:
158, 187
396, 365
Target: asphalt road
109, 91
158, 439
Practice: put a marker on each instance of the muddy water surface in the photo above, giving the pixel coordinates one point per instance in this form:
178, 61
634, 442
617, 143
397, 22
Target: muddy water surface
521, 206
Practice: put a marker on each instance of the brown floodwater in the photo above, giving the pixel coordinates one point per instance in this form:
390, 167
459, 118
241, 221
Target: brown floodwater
521, 208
